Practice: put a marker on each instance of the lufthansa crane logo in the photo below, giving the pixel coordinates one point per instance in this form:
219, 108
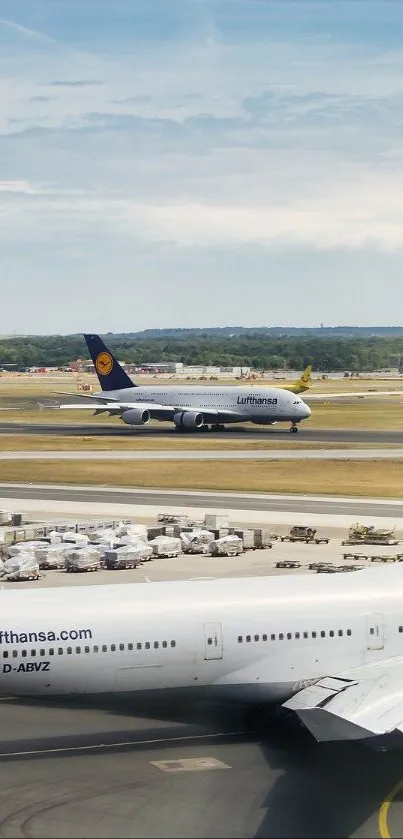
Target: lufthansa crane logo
104, 363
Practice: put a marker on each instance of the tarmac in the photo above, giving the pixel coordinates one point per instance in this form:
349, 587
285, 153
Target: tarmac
309, 435
264, 509
251, 454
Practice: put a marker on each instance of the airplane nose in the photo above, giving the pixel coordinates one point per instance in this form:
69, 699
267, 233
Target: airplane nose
305, 411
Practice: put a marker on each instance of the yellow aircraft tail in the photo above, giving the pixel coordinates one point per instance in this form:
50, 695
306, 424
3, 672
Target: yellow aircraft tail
303, 383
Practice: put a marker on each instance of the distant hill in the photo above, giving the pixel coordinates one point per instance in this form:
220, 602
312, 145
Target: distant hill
275, 331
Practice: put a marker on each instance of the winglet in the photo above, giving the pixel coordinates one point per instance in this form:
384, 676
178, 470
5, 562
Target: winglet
111, 375
303, 382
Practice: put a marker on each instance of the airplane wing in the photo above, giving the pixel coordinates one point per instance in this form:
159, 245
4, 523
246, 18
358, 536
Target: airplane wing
323, 397
158, 412
361, 703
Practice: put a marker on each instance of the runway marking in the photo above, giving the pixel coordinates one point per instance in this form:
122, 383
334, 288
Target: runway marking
93, 747
190, 764
384, 810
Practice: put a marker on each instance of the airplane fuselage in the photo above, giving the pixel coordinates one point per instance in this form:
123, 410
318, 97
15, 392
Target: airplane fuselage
261, 638
230, 404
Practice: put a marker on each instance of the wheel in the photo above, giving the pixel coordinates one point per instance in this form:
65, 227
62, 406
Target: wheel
293, 429
204, 427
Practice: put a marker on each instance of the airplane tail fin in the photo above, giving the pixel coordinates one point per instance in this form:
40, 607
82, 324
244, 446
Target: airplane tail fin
110, 374
303, 382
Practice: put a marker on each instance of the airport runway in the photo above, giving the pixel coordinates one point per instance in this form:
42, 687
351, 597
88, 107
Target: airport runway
206, 500
108, 769
305, 434
251, 454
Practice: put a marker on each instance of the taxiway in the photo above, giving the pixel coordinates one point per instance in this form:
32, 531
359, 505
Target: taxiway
308, 435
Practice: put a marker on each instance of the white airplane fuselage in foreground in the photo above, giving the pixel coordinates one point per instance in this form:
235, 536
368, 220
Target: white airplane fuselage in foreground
260, 639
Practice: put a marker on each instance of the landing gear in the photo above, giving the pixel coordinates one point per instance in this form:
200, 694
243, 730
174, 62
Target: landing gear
294, 428
218, 426
204, 427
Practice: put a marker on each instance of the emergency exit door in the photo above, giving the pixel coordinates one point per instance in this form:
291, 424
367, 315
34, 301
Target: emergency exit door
375, 632
213, 642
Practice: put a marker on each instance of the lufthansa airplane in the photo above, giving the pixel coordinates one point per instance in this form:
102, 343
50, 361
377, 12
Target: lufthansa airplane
190, 408
329, 649
198, 407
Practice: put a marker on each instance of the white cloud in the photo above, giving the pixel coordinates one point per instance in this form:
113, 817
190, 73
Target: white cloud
235, 132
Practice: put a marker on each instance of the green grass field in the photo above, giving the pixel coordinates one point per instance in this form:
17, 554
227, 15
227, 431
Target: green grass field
382, 478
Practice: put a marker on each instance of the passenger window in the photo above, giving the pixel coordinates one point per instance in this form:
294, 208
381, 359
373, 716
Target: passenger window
121, 646
69, 650
14, 653
104, 648
323, 634
239, 639
130, 646
305, 634
156, 645
313, 634
60, 650
331, 633
400, 628
42, 652
165, 644
173, 643
139, 646
248, 638
297, 635
24, 653
113, 648
289, 636
147, 645
5, 654
264, 637
256, 637
78, 650
281, 637
51, 651
349, 632
371, 631
272, 637
96, 649
86, 649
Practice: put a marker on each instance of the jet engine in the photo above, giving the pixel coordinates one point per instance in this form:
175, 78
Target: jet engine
136, 416
188, 419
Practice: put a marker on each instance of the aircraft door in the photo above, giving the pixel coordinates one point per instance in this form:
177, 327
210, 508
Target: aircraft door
375, 632
213, 641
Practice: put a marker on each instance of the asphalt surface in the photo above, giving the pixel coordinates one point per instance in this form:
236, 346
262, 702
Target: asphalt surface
207, 500
251, 454
94, 770
305, 434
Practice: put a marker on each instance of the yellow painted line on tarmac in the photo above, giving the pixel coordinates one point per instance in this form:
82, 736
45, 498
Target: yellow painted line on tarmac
384, 810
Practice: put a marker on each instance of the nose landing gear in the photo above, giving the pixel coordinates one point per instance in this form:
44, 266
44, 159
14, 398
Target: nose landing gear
294, 428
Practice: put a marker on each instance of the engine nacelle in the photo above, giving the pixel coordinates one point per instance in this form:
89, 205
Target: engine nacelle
136, 416
188, 419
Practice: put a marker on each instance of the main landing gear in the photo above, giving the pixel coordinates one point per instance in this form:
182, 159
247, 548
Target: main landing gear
294, 428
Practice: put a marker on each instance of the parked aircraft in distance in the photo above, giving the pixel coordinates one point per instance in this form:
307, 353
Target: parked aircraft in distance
196, 407
329, 649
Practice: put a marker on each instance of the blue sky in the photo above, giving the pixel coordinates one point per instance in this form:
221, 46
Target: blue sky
200, 162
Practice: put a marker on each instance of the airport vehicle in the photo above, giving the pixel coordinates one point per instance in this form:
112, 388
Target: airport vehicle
329, 648
190, 408
196, 407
